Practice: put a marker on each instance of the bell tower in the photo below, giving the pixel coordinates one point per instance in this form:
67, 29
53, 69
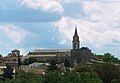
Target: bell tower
75, 40
79, 55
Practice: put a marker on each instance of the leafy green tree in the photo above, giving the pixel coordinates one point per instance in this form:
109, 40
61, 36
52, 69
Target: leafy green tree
52, 77
32, 60
107, 71
57, 77
1, 81
67, 63
107, 57
8, 73
71, 77
114, 81
26, 62
82, 68
52, 66
29, 60
98, 56
26, 78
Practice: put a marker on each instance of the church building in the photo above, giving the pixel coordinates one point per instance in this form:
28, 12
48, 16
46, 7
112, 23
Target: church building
75, 56
79, 55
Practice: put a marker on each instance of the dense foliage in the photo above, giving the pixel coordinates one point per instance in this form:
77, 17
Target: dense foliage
72, 77
67, 63
8, 73
52, 66
26, 78
108, 72
107, 57
57, 77
99, 73
29, 61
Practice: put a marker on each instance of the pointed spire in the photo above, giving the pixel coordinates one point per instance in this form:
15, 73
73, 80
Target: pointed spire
75, 34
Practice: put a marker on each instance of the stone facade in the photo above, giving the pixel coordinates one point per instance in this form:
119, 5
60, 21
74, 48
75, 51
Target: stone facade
80, 56
46, 55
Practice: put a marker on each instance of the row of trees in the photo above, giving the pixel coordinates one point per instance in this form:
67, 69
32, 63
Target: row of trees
99, 73
57, 77
30, 60
108, 72
107, 57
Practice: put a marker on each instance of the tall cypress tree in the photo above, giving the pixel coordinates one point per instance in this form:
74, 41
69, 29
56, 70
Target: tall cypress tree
67, 63
19, 62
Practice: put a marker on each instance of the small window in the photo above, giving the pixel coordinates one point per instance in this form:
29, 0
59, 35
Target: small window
75, 45
14, 60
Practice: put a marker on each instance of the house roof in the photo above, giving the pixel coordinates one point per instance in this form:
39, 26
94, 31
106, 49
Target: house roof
15, 50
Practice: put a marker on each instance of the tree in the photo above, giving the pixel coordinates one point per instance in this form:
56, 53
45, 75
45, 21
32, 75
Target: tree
52, 77
26, 78
82, 68
30, 60
52, 66
107, 71
8, 73
26, 62
107, 57
19, 62
1, 56
115, 81
57, 77
67, 63
71, 77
